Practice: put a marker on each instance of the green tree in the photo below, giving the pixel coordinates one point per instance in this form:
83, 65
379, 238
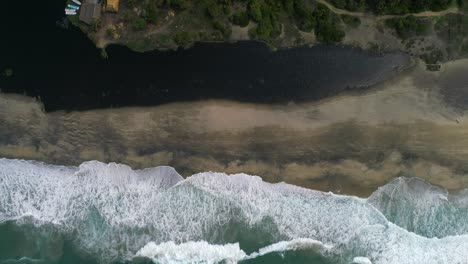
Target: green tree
352, 5
264, 28
327, 30
139, 24
240, 19
255, 10
212, 8
224, 29
304, 16
289, 7
151, 12
178, 4
438, 5
408, 26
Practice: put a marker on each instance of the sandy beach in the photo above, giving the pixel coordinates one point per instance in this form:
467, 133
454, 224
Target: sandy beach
409, 126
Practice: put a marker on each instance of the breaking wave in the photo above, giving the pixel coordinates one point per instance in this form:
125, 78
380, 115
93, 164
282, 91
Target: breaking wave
203, 252
420, 207
111, 213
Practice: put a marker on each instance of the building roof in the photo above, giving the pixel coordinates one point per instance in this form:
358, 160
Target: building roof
89, 12
112, 6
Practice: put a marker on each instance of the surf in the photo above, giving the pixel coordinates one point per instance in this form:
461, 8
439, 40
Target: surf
112, 213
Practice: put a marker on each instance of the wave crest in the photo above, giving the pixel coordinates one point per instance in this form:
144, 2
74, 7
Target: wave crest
203, 252
110, 212
191, 252
420, 207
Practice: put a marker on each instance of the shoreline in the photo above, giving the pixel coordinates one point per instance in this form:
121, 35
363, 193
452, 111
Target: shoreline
350, 143
371, 33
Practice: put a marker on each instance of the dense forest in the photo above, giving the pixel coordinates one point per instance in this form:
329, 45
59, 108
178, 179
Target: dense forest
268, 15
148, 24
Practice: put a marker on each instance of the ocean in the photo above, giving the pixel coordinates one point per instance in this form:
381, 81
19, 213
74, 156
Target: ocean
109, 213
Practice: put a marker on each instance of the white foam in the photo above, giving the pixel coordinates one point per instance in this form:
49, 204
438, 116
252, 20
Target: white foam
112, 211
203, 252
191, 252
293, 245
361, 260
418, 206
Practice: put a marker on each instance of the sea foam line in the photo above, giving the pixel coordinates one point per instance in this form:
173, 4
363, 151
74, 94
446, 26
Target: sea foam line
113, 211
203, 252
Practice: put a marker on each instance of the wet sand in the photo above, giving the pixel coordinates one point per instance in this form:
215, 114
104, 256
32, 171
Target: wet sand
351, 143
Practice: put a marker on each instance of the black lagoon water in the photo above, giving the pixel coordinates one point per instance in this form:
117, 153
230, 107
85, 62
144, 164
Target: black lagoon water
64, 69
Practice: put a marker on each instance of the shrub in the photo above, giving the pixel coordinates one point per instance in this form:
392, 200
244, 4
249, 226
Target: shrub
304, 16
351, 21
184, 38
327, 30
255, 10
351, 5
151, 12
212, 8
178, 4
127, 15
240, 19
225, 30
110, 31
408, 26
139, 24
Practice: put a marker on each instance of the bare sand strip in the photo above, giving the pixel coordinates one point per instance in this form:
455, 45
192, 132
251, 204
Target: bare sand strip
349, 143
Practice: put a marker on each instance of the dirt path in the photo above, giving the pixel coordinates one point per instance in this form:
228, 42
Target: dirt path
452, 10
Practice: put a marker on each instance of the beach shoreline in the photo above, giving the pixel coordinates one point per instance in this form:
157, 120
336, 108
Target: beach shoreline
350, 143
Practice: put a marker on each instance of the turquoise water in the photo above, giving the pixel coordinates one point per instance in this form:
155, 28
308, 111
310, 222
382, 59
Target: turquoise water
109, 213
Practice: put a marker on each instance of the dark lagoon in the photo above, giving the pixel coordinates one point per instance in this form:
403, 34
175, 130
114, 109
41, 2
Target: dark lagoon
63, 67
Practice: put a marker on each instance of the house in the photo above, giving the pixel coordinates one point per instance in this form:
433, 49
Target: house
90, 10
112, 6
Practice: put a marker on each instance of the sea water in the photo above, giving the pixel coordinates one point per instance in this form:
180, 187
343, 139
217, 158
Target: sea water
109, 213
